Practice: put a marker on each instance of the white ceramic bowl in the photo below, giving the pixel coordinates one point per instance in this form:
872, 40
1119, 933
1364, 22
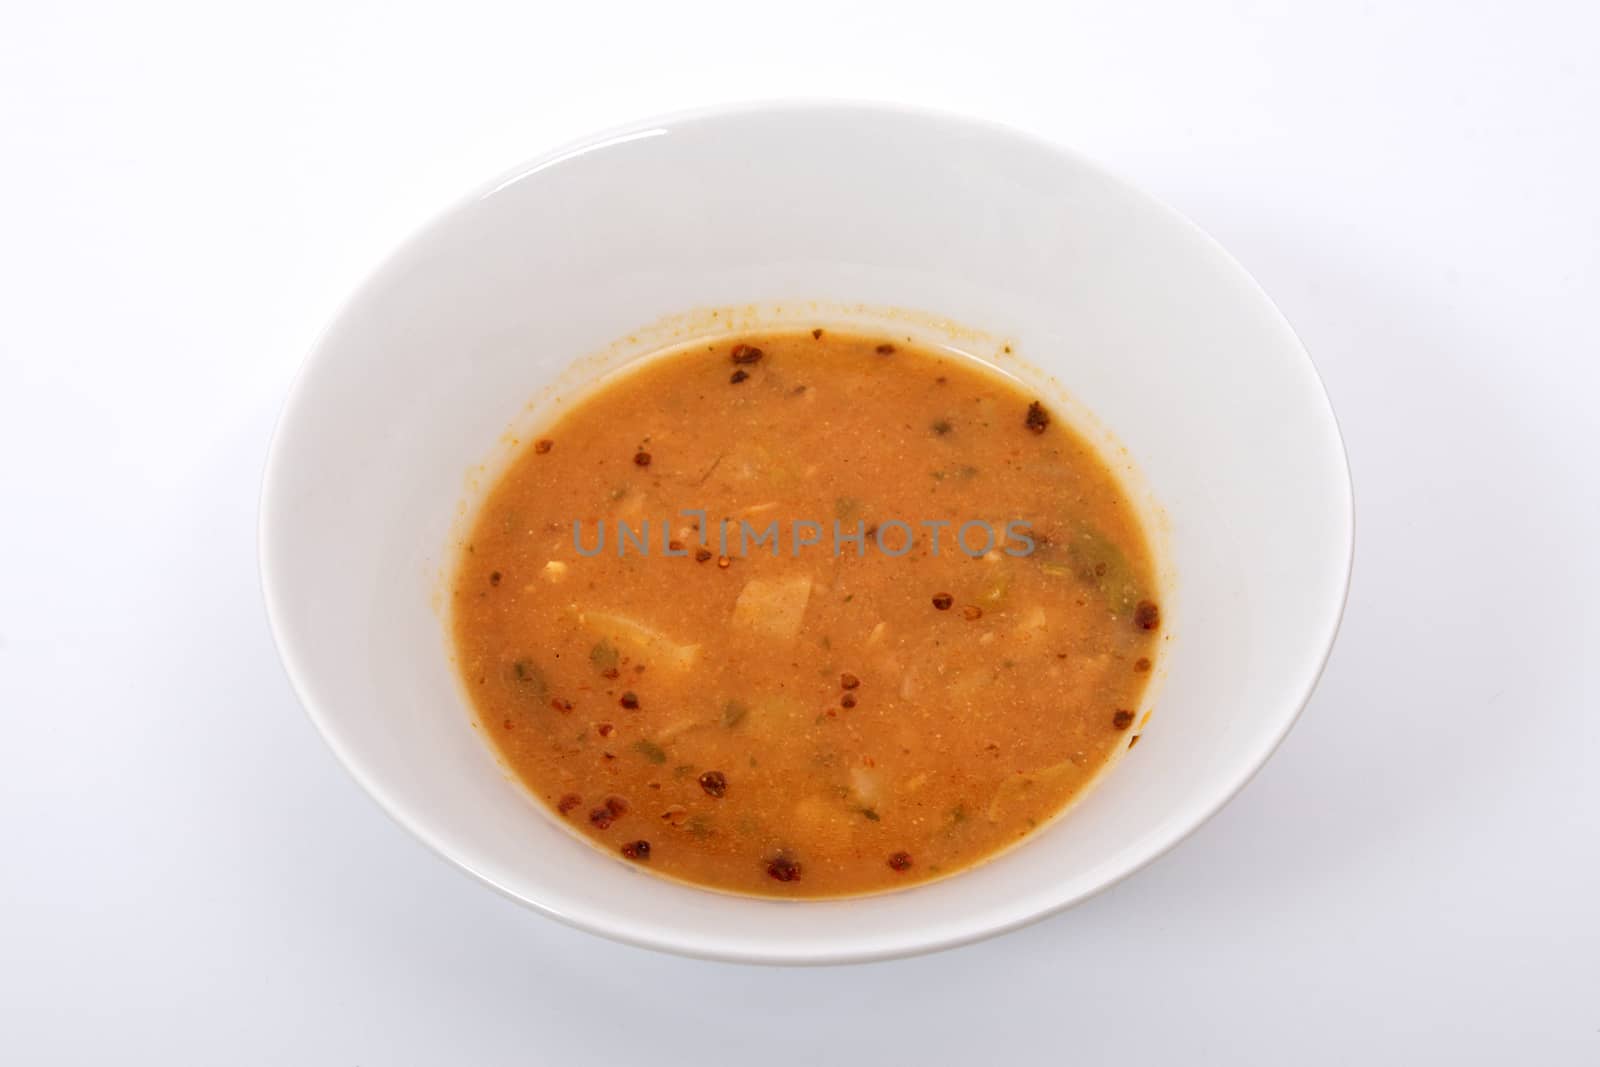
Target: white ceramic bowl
594, 255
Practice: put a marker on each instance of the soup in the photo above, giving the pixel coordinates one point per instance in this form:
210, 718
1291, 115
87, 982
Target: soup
806, 614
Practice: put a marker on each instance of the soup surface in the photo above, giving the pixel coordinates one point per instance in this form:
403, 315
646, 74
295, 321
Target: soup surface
806, 614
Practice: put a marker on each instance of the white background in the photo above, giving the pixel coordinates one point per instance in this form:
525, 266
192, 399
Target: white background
186, 875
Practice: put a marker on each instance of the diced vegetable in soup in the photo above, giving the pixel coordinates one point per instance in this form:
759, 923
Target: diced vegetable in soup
807, 614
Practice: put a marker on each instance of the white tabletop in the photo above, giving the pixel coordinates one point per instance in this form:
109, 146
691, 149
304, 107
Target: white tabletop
187, 876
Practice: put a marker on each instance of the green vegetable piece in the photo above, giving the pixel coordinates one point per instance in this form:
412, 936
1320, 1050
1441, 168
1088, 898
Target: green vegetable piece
526, 677
1098, 562
604, 656
650, 751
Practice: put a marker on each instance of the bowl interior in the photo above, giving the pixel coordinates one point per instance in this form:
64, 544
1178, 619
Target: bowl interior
798, 213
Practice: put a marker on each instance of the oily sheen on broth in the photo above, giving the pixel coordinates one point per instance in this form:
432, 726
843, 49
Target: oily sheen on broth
806, 614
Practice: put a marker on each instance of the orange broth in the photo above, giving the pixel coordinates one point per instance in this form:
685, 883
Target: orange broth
830, 718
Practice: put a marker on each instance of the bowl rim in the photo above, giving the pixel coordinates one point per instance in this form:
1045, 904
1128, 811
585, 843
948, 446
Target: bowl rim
848, 109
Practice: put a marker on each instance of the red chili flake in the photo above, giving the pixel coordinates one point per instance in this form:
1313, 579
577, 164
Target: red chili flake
1122, 719
884, 349
509, 725
942, 601
629, 700
494, 577
568, 802
637, 850
816, 335
900, 861
600, 818
702, 554
543, 445
715, 783
674, 546
1038, 418
737, 376
605, 729
848, 681
848, 700
746, 354
1141, 664
641, 458
724, 562
784, 868
563, 706
616, 805
610, 672
1147, 616
972, 613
